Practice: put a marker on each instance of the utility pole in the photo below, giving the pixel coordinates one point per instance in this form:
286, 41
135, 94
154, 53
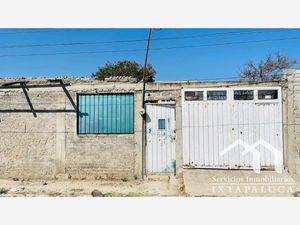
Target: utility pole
145, 67
144, 108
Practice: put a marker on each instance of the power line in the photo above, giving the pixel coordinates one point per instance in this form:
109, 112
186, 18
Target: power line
229, 43
237, 33
45, 30
12, 30
153, 49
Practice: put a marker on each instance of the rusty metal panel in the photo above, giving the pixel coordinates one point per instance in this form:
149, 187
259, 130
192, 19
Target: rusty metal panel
160, 127
225, 115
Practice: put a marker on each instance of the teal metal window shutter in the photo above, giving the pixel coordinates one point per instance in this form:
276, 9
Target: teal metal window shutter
106, 113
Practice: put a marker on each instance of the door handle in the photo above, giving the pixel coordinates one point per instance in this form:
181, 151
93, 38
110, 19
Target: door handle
173, 135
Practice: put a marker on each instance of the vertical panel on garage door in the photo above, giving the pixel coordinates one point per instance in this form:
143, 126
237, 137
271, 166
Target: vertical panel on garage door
215, 118
160, 126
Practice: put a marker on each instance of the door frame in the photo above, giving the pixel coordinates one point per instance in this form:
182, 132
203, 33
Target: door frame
173, 104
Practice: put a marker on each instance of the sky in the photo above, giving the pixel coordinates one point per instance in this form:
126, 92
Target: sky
192, 62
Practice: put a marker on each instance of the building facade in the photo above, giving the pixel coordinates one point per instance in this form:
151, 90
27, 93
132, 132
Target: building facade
82, 128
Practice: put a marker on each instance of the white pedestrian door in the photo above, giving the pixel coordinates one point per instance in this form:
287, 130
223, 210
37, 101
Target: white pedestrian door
160, 127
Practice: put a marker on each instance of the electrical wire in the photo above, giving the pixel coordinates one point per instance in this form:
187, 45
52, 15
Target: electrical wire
152, 49
144, 40
44, 30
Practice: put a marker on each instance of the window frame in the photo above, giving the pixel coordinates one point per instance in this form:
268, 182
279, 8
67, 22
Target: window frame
267, 99
230, 94
164, 124
103, 93
214, 90
253, 94
194, 99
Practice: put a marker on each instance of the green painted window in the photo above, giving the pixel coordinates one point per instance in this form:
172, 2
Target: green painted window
161, 124
105, 114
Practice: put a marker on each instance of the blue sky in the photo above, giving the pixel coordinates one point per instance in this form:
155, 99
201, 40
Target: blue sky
211, 62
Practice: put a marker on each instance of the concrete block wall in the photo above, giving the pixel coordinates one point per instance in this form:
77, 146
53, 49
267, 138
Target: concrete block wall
102, 156
293, 123
48, 145
27, 143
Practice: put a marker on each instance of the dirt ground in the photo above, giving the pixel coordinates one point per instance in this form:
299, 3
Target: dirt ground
84, 188
15, 187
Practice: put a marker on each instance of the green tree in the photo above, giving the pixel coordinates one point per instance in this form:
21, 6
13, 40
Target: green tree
270, 68
124, 68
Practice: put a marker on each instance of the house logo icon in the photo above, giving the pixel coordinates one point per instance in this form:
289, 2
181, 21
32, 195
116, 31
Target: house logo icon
251, 149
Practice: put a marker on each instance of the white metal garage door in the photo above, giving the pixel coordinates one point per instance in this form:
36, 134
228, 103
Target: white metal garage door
160, 125
222, 118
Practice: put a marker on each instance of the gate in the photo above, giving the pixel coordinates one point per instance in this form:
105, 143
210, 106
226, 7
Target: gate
214, 119
160, 127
